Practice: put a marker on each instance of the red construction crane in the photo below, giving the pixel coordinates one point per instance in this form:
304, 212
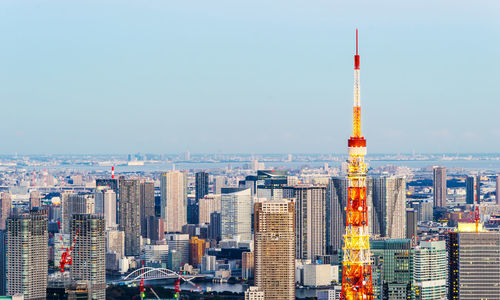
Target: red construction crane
66, 258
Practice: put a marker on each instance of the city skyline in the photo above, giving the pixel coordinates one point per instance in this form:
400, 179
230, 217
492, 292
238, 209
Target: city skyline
138, 70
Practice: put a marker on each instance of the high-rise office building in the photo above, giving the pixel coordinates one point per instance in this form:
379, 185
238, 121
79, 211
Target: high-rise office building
75, 203
130, 210
439, 188
472, 189
310, 221
180, 243
474, 262
35, 199
236, 213
105, 204
201, 185
5, 203
388, 207
247, 265
147, 205
115, 242
219, 183
156, 229
174, 200
424, 209
207, 205
411, 223
89, 259
336, 201
275, 249
214, 228
397, 269
27, 255
430, 269
197, 248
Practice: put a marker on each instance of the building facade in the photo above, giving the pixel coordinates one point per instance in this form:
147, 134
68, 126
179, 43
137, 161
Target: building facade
89, 259
472, 189
180, 243
275, 249
147, 205
439, 186
236, 213
174, 200
430, 267
207, 205
27, 255
388, 207
130, 210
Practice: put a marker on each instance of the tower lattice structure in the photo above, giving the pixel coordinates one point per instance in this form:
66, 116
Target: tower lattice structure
356, 271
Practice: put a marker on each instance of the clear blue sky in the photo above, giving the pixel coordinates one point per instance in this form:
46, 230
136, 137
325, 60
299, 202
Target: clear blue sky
247, 76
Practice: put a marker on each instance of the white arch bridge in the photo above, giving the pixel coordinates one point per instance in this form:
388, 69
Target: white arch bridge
149, 273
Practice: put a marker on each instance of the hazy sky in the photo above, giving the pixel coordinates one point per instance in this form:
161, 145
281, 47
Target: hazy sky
247, 76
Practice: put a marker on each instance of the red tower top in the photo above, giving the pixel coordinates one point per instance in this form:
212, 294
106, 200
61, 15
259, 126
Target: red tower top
356, 57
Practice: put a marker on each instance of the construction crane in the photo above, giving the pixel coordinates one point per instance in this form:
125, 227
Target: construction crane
356, 270
66, 257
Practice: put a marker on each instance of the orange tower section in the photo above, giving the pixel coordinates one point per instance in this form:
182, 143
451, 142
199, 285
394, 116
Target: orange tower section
356, 271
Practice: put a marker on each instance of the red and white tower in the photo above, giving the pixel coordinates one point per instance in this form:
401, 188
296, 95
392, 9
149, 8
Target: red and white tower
356, 270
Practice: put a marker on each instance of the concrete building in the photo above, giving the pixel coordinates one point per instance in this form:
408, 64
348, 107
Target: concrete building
208, 264
156, 255
332, 294
174, 200
218, 183
27, 255
89, 259
156, 229
411, 223
388, 207
180, 243
439, 188
75, 203
254, 293
35, 199
5, 203
197, 248
275, 249
207, 205
3, 262
472, 189
430, 267
396, 256
115, 242
105, 204
316, 275
174, 261
424, 209
336, 196
147, 199
130, 209
236, 213
247, 265
214, 228
498, 190
474, 262
310, 221
201, 185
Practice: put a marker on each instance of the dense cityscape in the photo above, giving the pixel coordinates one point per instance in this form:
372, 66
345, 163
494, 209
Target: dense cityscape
201, 223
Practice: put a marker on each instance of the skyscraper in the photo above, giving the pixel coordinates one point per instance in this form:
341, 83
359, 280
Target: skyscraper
105, 204
336, 215
180, 243
274, 249
498, 190
388, 211
439, 176
130, 209
474, 262
197, 248
310, 221
89, 259
147, 205
214, 228
174, 200
3, 262
75, 203
5, 203
472, 190
35, 199
430, 271
411, 223
236, 213
397, 268
27, 255
201, 185
208, 205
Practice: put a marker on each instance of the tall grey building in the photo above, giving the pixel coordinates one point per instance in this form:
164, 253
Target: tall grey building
5, 203
147, 205
472, 189
388, 211
310, 221
89, 259
105, 205
236, 213
498, 190
474, 262
174, 200
27, 255
75, 203
439, 190
3, 262
411, 223
180, 243
130, 210
336, 201
201, 185
430, 271
424, 209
